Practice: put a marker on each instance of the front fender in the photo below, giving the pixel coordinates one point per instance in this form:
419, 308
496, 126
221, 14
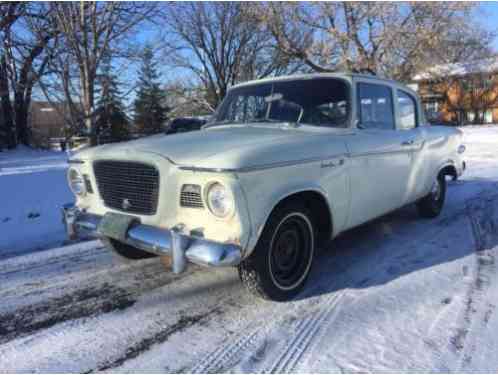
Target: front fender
264, 190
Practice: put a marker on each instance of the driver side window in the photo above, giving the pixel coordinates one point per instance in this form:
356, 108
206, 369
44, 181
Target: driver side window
375, 106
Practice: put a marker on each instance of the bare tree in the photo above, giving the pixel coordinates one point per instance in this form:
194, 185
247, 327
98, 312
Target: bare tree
187, 98
22, 62
89, 33
10, 12
220, 44
7, 132
389, 39
27, 61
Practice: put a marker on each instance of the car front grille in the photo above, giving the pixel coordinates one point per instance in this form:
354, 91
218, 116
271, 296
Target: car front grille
190, 196
128, 186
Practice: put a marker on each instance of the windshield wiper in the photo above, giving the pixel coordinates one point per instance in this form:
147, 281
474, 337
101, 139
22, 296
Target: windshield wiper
258, 120
252, 121
222, 122
293, 124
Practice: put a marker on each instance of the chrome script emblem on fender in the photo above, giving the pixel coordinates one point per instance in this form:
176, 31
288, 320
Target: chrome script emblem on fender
126, 204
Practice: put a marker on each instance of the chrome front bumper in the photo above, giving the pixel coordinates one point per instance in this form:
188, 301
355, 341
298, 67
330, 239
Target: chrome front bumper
172, 242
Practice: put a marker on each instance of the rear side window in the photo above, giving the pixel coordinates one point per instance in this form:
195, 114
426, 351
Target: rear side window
407, 110
375, 106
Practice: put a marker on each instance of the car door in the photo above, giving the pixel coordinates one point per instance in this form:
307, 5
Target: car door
379, 158
408, 123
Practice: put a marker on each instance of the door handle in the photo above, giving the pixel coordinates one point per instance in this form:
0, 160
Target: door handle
407, 143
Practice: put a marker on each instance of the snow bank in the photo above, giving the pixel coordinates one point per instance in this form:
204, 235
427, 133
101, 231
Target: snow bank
33, 188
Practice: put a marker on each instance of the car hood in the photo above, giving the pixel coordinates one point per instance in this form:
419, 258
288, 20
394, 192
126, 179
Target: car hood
232, 147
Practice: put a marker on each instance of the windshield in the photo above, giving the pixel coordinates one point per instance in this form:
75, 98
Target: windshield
318, 101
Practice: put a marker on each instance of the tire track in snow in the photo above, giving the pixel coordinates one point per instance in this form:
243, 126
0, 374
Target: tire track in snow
484, 224
146, 343
89, 295
79, 304
225, 356
307, 330
6, 269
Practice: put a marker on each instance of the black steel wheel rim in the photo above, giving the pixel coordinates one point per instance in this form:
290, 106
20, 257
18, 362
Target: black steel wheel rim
290, 252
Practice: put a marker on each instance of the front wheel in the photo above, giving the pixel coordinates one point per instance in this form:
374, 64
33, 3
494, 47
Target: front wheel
432, 204
281, 262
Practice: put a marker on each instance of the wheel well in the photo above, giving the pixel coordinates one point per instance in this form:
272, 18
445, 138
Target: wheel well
319, 208
450, 170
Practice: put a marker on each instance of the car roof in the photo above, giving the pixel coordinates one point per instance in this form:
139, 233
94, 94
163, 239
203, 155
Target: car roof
341, 75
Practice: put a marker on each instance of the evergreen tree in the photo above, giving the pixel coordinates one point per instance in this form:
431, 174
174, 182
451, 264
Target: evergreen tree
112, 121
150, 111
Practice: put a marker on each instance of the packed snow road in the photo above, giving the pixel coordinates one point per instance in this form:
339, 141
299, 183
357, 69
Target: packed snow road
397, 294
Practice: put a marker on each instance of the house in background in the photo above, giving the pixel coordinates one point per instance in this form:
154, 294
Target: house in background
460, 93
46, 121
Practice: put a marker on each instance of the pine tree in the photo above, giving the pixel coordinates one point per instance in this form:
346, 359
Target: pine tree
150, 111
112, 120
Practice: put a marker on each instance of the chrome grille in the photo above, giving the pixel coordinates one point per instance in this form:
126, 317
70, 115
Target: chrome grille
127, 186
190, 196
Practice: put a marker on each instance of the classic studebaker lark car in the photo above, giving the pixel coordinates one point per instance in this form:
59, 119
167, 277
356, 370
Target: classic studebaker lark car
286, 165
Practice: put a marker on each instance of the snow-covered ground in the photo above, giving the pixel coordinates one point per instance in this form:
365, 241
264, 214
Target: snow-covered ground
32, 189
398, 294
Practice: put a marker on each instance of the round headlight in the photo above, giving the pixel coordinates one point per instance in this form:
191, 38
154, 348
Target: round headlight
220, 200
76, 182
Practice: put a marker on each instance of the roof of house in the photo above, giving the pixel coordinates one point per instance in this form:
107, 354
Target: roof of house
489, 65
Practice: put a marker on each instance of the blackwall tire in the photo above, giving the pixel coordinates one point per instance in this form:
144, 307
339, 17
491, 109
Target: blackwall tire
432, 204
281, 262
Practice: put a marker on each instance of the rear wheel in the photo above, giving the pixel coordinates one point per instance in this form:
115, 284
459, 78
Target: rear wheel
125, 252
432, 204
281, 262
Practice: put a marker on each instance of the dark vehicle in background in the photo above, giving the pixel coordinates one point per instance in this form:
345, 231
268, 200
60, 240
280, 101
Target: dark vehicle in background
185, 124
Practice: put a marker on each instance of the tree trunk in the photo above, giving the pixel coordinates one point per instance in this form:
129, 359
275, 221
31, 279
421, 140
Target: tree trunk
89, 125
87, 82
477, 117
6, 105
21, 115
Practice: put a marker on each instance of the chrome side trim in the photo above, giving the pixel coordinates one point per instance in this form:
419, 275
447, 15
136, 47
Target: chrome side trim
255, 168
261, 167
374, 153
